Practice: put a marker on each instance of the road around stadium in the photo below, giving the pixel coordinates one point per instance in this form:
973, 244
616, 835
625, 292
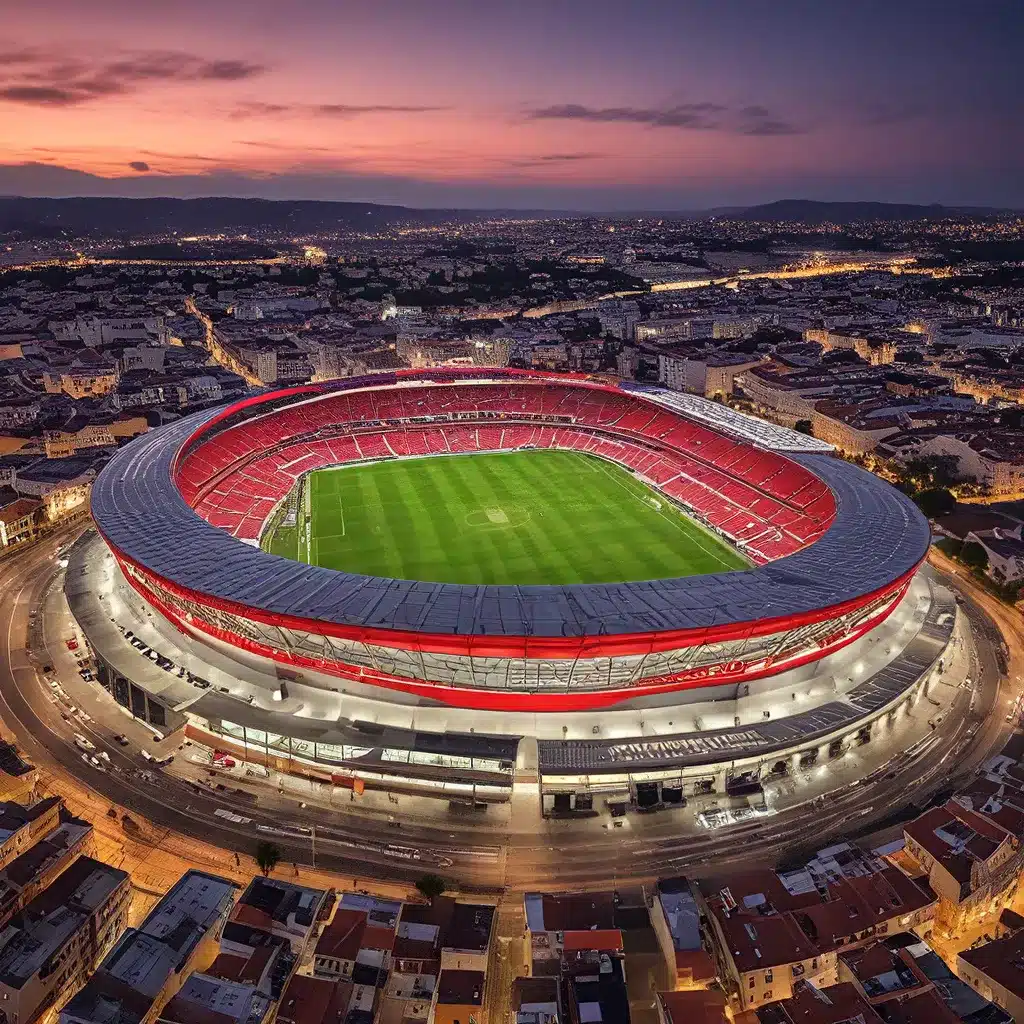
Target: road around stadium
526, 517
361, 841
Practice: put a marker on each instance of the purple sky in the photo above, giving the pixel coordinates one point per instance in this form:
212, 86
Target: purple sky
557, 104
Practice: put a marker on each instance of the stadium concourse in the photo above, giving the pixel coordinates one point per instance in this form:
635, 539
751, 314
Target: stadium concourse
626, 687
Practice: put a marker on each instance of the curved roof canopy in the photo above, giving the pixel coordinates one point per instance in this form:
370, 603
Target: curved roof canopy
876, 537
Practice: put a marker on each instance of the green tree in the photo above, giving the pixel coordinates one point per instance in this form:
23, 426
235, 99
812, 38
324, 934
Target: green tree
932, 471
974, 556
1012, 418
431, 886
935, 502
268, 856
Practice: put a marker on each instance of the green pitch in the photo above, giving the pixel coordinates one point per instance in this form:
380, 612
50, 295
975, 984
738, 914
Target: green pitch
542, 517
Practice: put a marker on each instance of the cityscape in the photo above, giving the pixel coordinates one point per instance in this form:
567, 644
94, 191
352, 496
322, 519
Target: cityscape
511, 515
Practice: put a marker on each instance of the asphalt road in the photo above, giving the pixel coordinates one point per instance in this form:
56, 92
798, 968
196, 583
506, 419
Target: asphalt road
478, 855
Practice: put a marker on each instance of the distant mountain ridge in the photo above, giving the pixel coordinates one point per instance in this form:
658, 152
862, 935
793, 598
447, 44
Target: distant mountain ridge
122, 216
107, 217
810, 211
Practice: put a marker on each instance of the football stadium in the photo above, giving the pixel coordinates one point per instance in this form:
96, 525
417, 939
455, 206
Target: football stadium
443, 577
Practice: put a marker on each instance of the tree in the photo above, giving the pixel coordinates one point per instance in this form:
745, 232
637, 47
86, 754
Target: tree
932, 471
431, 886
1013, 418
974, 556
935, 502
267, 857
804, 427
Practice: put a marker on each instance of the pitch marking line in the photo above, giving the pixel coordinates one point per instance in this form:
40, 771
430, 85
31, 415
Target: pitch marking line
675, 518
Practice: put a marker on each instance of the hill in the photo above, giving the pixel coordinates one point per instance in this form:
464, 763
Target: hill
808, 211
101, 217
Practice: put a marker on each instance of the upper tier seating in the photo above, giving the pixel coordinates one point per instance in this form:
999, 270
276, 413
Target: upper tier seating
768, 505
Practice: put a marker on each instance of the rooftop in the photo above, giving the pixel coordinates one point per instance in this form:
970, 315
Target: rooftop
461, 988
700, 1006
1002, 961
314, 1001
206, 1000
837, 1004
877, 536
44, 926
134, 973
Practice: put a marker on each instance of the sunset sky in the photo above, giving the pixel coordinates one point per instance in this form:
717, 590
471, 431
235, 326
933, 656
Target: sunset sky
570, 105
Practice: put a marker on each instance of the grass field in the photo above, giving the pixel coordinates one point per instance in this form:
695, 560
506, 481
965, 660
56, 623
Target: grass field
541, 517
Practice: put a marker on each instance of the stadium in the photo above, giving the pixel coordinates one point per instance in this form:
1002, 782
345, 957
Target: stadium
428, 568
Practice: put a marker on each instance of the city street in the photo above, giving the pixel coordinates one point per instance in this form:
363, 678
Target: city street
511, 849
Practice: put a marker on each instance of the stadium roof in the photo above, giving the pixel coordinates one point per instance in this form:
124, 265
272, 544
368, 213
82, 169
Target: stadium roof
876, 537
725, 420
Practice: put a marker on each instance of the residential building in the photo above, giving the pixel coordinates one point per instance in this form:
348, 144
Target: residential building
555, 922
314, 1001
206, 1000
148, 964
272, 910
358, 941
266, 968
535, 1001
993, 457
48, 949
995, 971
19, 520
32, 871
88, 376
18, 778
442, 936
1005, 551
596, 990
466, 937
697, 1006
21, 826
872, 348
675, 917
772, 930
948, 999
458, 998
96, 331
835, 1004
851, 427
84, 432
575, 940
971, 862
63, 485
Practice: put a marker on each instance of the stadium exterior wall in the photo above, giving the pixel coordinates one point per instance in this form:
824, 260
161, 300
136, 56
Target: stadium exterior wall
823, 597
194, 623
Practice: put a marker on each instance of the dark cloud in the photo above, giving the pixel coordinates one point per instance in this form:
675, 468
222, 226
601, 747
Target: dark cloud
563, 158
703, 116
181, 156
255, 109
229, 70
25, 55
770, 127
679, 115
139, 165
288, 147
351, 110
39, 95
44, 79
549, 159
758, 120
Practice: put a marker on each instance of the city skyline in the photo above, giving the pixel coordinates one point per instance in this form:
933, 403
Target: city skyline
579, 107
